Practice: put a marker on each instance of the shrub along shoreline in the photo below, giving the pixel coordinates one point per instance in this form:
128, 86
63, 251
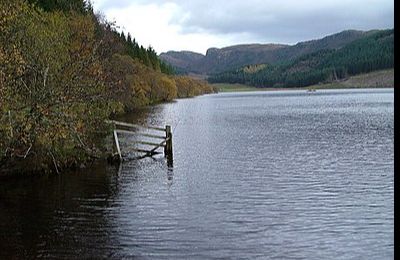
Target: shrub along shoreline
63, 71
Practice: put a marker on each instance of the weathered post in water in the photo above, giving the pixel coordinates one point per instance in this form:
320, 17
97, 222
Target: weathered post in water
168, 144
117, 145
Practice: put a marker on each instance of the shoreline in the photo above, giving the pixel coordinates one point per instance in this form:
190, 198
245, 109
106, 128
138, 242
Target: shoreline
254, 89
18, 172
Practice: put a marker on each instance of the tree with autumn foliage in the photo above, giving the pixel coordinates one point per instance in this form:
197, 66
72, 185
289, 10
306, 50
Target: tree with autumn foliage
63, 72
50, 70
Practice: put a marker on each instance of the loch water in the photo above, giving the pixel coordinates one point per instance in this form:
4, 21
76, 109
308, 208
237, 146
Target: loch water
258, 175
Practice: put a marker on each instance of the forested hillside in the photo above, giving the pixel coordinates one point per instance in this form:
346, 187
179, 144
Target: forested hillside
234, 57
63, 71
372, 52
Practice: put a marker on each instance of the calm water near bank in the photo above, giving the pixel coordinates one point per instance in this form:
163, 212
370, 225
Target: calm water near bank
268, 175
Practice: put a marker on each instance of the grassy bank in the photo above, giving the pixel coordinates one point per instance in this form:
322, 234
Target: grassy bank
375, 79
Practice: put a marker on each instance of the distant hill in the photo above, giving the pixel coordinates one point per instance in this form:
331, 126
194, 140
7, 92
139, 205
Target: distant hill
182, 61
218, 60
374, 51
233, 57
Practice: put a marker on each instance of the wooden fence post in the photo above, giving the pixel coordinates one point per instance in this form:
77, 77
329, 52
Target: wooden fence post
168, 144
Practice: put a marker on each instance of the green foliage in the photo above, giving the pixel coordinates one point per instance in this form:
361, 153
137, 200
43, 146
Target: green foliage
373, 52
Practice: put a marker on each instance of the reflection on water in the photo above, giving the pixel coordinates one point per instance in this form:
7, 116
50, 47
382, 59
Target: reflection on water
255, 175
48, 216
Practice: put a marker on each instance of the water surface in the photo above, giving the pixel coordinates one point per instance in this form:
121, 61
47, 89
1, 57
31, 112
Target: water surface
268, 175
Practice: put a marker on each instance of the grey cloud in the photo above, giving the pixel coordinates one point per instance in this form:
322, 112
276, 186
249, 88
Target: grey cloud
285, 21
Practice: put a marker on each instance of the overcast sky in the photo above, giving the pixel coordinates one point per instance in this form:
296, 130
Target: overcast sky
197, 25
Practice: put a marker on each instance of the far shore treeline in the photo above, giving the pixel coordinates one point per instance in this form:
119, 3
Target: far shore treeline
63, 71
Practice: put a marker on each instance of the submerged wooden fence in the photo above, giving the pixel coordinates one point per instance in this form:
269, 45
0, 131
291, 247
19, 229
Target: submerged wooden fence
137, 131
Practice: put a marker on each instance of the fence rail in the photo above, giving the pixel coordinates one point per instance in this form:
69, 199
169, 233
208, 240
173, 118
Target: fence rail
135, 126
